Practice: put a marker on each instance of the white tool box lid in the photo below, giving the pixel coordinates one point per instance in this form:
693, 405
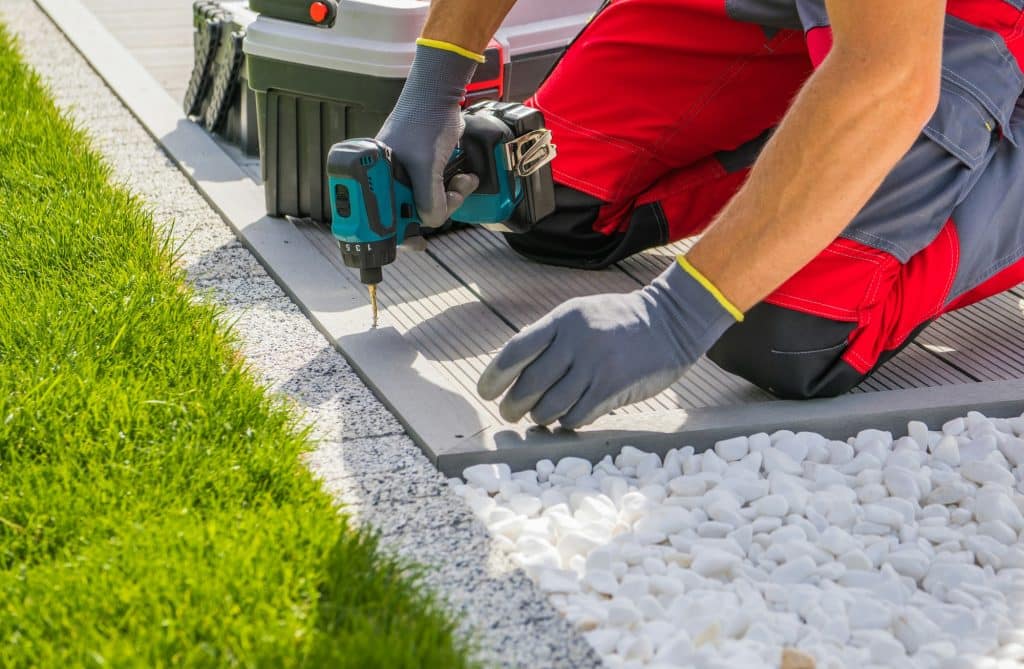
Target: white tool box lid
377, 37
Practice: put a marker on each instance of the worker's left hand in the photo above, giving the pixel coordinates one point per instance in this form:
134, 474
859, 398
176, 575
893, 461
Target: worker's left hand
594, 354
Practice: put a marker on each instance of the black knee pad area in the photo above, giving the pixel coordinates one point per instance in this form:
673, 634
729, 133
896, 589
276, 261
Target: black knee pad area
788, 353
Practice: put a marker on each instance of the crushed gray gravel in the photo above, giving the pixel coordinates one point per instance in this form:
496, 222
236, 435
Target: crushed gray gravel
362, 453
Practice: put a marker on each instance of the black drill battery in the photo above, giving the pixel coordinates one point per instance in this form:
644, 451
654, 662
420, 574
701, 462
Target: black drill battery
538, 187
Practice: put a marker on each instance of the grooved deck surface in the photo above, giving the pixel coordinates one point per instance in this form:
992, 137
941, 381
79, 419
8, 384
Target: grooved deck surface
461, 300
157, 32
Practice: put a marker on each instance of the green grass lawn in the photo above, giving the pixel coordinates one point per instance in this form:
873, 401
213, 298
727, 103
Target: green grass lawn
153, 509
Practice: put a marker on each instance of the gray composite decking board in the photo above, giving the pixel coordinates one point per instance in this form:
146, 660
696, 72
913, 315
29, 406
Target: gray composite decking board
836, 418
151, 38
98, 7
523, 291
157, 32
417, 298
986, 339
124, 15
913, 368
179, 58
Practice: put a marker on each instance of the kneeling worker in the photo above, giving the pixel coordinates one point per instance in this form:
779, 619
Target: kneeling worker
853, 167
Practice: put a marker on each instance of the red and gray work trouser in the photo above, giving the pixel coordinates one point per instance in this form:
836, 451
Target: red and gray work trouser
660, 107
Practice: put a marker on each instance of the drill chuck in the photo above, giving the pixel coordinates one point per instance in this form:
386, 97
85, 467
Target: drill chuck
369, 257
371, 276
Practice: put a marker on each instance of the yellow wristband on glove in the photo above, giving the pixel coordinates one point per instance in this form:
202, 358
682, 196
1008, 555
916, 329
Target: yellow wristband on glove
448, 46
711, 288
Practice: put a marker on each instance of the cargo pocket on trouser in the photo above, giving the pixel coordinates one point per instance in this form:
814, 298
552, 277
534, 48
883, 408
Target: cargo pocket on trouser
990, 226
980, 87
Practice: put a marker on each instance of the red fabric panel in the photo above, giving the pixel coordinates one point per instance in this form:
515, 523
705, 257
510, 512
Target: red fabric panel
691, 198
837, 283
819, 43
907, 296
654, 86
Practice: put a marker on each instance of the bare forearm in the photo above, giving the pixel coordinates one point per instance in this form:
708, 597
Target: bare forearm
469, 24
842, 136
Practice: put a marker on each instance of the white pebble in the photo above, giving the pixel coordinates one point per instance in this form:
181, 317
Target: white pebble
938, 534
839, 453
525, 505
912, 562
982, 471
795, 447
951, 575
901, 483
733, 449
856, 560
861, 462
794, 571
772, 505
948, 494
995, 505
558, 581
954, 427
947, 450
977, 449
866, 612
1013, 450
622, 613
778, 461
869, 552
603, 582
665, 520
687, 486
918, 431
999, 531
487, 477
603, 640
573, 468
714, 562
629, 456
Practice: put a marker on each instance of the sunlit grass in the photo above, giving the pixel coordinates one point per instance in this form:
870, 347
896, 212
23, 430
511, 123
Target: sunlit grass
153, 511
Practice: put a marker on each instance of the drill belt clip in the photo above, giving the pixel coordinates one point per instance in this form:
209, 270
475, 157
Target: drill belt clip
526, 154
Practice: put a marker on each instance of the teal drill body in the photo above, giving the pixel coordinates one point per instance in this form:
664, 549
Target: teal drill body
372, 204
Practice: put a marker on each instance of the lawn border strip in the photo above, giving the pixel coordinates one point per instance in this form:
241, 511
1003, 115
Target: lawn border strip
453, 431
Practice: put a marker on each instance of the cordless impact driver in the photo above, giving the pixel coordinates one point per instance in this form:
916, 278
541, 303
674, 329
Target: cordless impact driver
505, 144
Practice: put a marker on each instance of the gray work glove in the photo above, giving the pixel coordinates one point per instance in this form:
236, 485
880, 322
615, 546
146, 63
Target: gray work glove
594, 354
424, 127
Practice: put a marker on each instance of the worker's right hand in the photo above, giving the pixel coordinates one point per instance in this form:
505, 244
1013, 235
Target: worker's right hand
425, 126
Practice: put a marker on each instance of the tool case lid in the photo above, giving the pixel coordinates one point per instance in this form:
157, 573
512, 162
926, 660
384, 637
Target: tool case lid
377, 37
